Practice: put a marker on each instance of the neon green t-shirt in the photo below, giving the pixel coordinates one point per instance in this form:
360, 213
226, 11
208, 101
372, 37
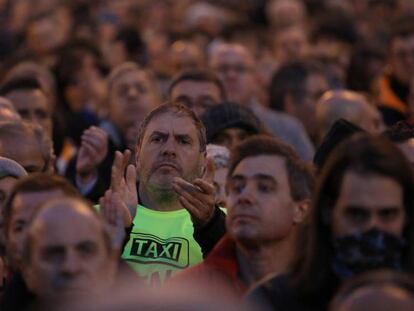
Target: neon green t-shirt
161, 244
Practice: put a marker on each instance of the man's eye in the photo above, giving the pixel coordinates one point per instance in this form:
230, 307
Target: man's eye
389, 214
156, 139
236, 187
357, 215
183, 141
265, 187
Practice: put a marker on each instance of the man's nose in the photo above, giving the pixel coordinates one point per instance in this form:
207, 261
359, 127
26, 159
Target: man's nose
374, 222
71, 264
132, 92
168, 147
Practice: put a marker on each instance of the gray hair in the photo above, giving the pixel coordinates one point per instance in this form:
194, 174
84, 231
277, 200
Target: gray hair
10, 168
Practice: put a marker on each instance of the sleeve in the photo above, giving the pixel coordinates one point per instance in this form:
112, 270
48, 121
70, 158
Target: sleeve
208, 235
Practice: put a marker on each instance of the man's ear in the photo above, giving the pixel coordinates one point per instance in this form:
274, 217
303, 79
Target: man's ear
301, 210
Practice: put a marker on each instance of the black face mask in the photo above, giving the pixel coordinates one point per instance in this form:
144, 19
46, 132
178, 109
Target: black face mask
374, 249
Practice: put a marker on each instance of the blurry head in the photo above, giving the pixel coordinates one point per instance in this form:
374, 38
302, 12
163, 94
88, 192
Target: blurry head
197, 90
61, 263
380, 290
171, 143
186, 56
228, 124
401, 49
364, 192
30, 101
295, 88
41, 73
132, 94
268, 191
27, 145
25, 198
234, 65
350, 106
10, 172
290, 44
221, 158
285, 13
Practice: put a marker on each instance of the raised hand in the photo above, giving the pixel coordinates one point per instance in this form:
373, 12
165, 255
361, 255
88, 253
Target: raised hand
93, 150
198, 198
116, 216
124, 180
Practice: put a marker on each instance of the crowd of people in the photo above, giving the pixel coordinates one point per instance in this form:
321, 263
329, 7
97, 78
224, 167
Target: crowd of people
205, 154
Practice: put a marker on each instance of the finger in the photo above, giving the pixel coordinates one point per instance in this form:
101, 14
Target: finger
116, 172
193, 198
206, 187
209, 173
125, 161
194, 212
98, 145
90, 150
185, 185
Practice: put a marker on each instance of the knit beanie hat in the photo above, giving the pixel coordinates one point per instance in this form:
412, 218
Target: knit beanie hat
229, 115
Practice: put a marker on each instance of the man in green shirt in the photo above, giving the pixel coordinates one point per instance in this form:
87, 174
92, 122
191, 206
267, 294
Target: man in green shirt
175, 191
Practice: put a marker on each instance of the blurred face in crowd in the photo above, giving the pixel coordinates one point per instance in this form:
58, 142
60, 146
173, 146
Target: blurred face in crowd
170, 148
42, 35
196, 95
401, 58
26, 151
368, 202
64, 263
24, 207
234, 65
131, 98
259, 203
186, 56
290, 44
33, 106
230, 137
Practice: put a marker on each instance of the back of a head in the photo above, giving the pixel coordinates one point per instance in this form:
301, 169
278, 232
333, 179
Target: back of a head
347, 105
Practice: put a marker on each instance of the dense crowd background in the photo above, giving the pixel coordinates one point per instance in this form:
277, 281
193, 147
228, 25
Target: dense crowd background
129, 125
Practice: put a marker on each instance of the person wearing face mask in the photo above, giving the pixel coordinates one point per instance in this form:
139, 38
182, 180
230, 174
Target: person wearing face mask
360, 222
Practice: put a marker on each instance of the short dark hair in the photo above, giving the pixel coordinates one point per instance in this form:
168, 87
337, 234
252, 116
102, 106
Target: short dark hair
363, 154
199, 76
300, 174
18, 84
179, 111
33, 183
290, 79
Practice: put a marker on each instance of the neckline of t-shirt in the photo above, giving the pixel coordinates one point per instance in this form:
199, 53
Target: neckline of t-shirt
147, 210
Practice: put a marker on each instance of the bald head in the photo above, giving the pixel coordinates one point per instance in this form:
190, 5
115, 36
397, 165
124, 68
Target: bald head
348, 105
379, 298
68, 252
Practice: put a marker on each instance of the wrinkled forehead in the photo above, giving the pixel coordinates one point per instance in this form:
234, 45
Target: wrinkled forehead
172, 122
